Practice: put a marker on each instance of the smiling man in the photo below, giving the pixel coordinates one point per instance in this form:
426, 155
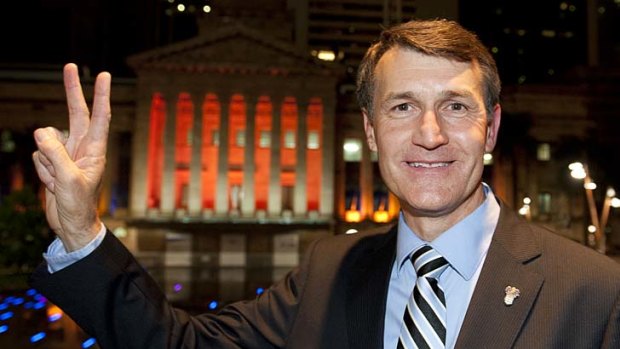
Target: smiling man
458, 270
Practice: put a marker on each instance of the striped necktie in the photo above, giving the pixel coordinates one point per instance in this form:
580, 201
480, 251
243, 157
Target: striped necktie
424, 321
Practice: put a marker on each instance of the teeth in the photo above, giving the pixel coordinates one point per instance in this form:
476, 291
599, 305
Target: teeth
428, 165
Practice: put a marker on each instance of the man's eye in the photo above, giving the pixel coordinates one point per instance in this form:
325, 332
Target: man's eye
457, 107
402, 107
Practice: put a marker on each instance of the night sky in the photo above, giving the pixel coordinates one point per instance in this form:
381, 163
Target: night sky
102, 33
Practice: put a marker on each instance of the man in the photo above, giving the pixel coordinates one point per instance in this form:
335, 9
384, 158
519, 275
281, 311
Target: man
459, 270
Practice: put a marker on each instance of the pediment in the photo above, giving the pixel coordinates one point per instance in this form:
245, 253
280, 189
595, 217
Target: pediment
235, 49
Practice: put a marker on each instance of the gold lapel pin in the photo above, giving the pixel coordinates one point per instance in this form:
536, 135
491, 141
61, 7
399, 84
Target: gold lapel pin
511, 294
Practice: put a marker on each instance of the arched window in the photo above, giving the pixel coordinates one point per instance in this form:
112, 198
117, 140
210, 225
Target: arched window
155, 159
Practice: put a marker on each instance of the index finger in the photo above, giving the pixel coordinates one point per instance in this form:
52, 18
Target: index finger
78, 110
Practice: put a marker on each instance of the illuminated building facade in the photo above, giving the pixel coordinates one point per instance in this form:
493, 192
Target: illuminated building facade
233, 124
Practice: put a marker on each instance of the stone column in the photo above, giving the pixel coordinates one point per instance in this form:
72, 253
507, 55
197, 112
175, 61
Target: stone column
140, 141
274, 206
194, 205
221, 195
300, 202
248, 204
327, 193
168, 180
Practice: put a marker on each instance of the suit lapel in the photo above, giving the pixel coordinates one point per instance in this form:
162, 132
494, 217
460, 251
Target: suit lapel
367, 289
489, 323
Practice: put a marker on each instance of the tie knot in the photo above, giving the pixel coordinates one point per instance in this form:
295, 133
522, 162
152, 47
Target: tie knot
427, 262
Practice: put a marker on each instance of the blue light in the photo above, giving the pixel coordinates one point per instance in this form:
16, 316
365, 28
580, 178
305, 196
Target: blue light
6, 316
54, 317
260, 291
88, 343
18, 301
29, 305
3, 306
37, 337
4, 328
31, 292
39, 305
213, 305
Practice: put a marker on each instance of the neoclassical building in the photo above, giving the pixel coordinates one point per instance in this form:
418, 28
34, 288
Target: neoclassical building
233, 124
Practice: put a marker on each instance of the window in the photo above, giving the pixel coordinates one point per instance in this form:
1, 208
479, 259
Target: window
313, 140
264, 140
240, 138
216, 138
543, 153
352, 150
289, 139
544, 203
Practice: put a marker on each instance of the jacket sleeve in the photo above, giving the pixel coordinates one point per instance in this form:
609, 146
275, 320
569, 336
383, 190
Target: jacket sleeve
115, 300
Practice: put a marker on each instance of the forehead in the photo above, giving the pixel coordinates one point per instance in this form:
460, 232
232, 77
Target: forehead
407, 68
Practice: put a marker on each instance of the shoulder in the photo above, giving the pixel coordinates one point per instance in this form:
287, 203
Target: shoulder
553, 254
364, 240
574, 257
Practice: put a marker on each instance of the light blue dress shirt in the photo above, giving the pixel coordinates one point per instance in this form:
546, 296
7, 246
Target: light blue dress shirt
464, 246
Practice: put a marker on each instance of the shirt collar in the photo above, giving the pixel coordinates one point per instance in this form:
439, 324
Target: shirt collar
464, 245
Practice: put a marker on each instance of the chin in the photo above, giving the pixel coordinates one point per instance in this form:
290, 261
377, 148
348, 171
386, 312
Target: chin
429, 205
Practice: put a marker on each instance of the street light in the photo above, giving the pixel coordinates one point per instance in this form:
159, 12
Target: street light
580, 171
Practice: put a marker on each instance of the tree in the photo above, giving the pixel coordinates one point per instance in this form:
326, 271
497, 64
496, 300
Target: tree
24, 233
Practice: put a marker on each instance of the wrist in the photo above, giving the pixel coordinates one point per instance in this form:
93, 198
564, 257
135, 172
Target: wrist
77, 239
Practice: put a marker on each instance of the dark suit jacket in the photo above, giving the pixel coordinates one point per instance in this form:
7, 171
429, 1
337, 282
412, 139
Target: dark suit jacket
336, 298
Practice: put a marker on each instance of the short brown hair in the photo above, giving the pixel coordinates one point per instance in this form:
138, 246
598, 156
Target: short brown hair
438, 37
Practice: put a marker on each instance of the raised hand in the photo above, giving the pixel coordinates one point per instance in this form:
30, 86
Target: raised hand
72, 168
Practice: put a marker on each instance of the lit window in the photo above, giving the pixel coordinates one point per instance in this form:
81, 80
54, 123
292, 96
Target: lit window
216, 138
352, 149
7, 144
240, 138
289, 139
544, 203
543, 153
265, 139
326, 55
189, 137
313, 140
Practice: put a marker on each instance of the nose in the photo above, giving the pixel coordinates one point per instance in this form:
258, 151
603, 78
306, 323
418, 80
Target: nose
429, 131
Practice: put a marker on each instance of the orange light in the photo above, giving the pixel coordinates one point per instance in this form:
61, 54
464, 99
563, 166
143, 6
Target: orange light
352, 216
381, 216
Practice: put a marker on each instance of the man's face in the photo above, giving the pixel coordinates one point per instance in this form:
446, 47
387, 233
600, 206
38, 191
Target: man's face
429, 127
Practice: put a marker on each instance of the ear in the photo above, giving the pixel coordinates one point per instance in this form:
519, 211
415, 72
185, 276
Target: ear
493, 129
370, 131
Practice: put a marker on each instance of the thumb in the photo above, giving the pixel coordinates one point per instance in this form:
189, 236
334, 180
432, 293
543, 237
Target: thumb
54, 150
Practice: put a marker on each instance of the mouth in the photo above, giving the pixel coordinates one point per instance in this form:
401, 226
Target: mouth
420, 164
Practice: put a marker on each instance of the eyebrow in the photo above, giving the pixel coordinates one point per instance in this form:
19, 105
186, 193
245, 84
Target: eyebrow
414, 96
